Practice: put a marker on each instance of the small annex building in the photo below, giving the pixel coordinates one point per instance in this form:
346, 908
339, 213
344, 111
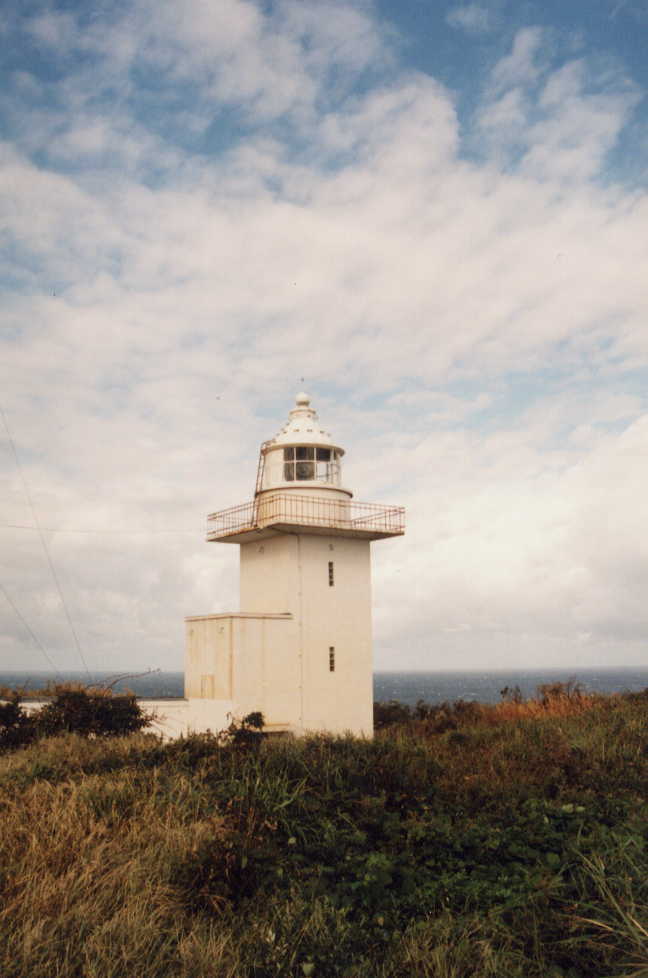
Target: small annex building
300, 648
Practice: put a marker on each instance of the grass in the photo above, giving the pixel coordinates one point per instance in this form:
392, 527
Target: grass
466, 842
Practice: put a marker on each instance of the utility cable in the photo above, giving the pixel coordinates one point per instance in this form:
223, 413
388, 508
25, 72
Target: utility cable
56, 529
35, 638
112, 681
44, 543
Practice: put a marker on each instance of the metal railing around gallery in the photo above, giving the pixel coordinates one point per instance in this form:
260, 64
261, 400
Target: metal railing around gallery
302, 510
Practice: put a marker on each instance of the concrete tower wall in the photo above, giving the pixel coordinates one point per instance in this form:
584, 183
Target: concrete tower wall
266, 654
337, 617
325, 584
270, 574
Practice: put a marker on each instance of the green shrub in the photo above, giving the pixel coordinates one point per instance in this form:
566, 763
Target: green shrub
90, 711
390, 714
245, 733
71, 709
16, 727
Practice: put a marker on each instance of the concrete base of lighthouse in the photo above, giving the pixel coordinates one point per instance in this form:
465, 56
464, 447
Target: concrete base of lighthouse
241, 659
270, 662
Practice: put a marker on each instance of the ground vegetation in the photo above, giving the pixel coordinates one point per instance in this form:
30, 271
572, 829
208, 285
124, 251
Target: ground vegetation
90, 711
464, 841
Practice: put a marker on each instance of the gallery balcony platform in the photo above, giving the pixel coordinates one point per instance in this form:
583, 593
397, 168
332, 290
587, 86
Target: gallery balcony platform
277, 512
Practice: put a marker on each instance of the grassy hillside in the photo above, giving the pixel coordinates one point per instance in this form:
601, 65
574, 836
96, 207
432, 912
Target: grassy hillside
468, 841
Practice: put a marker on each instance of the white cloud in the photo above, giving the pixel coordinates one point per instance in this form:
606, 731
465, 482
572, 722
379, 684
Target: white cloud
53, 29
267, 64
525, 62
535, 549
558, 123
167, 302
580, 127
471, 17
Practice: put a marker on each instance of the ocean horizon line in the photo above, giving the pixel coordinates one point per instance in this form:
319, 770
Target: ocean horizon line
383, 671
405, 686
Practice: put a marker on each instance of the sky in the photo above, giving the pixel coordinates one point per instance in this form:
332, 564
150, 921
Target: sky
435, 213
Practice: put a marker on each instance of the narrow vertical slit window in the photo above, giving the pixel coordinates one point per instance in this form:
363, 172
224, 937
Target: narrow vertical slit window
331, 658
331, 574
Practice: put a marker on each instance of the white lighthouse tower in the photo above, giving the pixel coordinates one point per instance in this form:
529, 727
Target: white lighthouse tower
299, 651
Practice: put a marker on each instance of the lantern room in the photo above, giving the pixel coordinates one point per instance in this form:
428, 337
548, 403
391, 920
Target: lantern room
302, 455
299, 484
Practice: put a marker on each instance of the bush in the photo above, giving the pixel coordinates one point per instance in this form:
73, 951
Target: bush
246, 733
390, 713
550, 693
16, 727
72, 709
90, 711
426, 717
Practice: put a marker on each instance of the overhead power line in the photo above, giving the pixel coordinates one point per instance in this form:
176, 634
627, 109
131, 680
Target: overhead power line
112, 681
57, 529
34, 637
44, 543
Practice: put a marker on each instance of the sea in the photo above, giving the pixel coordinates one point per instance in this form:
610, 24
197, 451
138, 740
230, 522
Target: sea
483, 686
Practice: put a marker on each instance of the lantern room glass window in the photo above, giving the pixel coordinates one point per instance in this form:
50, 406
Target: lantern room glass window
303, 463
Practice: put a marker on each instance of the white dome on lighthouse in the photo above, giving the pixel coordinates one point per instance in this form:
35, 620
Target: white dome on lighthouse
303, 427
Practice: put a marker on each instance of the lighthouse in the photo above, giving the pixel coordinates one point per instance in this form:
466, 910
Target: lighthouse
300, 649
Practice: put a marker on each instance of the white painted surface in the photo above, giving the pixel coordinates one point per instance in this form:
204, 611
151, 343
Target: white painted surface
247, 659
303, 427
208, 663
175, 718
290, 571
338, 617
